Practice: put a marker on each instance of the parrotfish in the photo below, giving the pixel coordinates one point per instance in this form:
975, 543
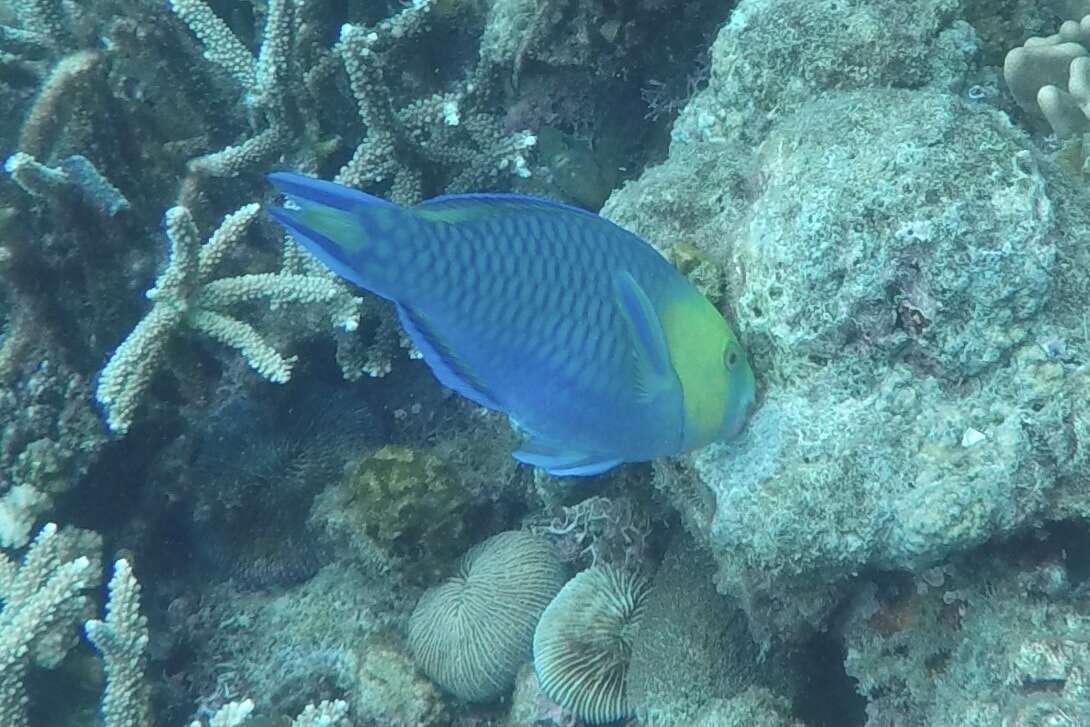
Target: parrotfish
597, 349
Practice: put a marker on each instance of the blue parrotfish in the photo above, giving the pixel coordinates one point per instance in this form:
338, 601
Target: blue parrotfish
596, 348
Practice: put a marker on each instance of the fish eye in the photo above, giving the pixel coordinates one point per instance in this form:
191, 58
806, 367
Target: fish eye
730, 357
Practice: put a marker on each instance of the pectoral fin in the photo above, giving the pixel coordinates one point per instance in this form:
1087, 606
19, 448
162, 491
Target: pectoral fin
654, 374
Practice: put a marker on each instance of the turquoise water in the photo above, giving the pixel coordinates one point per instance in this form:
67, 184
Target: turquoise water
233, 492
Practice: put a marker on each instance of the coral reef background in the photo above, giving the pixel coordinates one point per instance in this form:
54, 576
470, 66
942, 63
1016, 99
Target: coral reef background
226, 479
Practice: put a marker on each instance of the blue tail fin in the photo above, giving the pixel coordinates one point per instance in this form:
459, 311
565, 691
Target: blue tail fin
355, 234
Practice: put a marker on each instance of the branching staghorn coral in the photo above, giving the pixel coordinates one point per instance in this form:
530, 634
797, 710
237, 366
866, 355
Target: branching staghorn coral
20, 507
45, 48
74, 174
43, 596
449, 130
237, 714
188, 296
53, 104
39, 600
263, 81
122, 639
266, 88
46, 45
47, 19
445, 129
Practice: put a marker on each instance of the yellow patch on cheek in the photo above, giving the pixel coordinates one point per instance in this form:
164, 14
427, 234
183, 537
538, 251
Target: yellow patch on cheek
697, 336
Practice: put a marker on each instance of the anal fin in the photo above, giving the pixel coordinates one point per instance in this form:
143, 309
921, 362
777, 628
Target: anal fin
561, 461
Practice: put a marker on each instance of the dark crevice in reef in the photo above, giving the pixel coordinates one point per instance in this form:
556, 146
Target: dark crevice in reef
1074, 539
828, 698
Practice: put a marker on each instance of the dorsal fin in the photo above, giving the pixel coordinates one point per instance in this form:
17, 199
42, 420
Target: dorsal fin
454, 208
